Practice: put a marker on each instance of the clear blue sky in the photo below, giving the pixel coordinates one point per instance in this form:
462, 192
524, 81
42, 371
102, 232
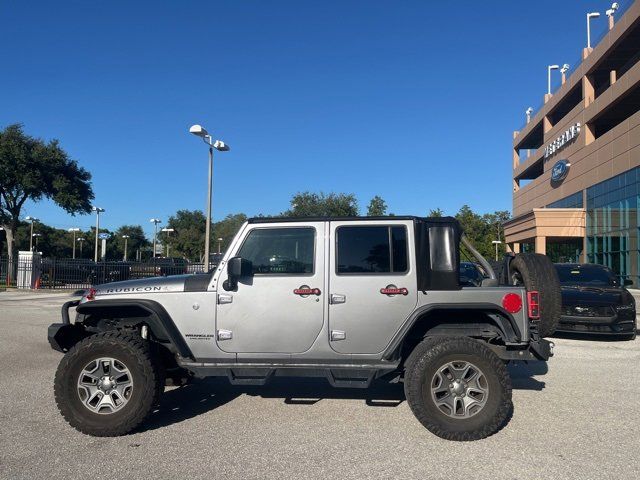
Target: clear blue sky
415, 101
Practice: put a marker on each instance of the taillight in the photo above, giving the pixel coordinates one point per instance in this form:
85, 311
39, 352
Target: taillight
533, 303
512, 302
91, 294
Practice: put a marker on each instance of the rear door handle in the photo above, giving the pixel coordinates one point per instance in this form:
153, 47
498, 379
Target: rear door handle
337, 298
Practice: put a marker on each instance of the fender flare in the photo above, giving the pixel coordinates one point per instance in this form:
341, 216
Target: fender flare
504, 321
159, 321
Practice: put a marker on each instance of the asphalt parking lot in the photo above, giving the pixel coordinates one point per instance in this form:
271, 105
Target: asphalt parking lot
579, 420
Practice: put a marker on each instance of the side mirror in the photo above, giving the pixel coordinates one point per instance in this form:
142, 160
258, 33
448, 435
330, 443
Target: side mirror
237, 268
627, 282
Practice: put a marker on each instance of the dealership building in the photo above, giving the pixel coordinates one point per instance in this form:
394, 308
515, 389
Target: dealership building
576, 162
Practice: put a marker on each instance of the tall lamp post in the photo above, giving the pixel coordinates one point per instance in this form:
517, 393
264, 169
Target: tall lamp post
36, 236
219, 244
167, 231
549, 68
98, 211
155, 222
126, 237
589, 17
80, 241
32, 220
74, 230
496, 243
219, 145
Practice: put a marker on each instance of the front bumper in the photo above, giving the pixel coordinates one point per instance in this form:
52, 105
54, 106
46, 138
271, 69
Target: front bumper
600, 325
62, 336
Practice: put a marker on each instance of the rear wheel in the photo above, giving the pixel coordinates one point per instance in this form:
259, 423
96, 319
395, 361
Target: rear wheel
107, 384
458, 388
536, 273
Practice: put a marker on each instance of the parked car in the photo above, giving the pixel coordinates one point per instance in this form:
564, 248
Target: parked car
470, 275
160, 266
594, 301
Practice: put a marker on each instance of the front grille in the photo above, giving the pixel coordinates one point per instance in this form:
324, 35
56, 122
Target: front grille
588, 311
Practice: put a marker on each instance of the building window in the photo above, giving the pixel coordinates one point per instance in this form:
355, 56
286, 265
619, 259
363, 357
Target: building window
613, 224
572, 201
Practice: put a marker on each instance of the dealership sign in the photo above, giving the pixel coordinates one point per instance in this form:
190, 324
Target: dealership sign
564, 139
560, 170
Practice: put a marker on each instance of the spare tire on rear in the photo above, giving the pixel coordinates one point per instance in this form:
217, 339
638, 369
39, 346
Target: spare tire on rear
537, 273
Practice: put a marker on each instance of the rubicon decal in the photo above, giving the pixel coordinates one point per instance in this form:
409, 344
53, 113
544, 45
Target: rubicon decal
128, 290
391, 290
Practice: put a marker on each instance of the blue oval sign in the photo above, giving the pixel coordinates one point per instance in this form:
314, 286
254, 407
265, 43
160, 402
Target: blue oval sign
560, 170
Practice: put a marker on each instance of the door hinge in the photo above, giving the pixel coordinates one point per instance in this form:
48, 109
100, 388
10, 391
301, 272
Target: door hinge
337, 335
337, 298
225, 334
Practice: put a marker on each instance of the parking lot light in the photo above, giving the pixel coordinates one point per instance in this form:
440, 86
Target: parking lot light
36, 236
74, 230
155, 222
168, 231
549, 68
98, 211
126, 237
32, 220
80, 240
589, 17
200, 131
496, 243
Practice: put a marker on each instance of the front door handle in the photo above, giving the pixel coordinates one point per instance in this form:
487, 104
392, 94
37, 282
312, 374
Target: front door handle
224, 298
337, 298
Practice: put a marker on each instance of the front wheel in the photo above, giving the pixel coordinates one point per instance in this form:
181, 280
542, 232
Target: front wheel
458, 388
107, 384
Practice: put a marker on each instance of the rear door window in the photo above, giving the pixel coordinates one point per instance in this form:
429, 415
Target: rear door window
378, 249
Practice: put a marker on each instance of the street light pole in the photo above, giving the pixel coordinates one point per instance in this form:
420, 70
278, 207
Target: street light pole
219, 244
155, 222
32, 220
589, 17
36, 236
549, 68
81, 241
126, 237
496, 243
222, 147
74, 230
168, 232
98, 211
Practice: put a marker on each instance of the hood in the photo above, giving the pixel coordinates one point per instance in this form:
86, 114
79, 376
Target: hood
172, 283
603, 296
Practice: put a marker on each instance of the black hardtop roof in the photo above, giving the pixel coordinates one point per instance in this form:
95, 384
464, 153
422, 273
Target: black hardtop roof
347, 219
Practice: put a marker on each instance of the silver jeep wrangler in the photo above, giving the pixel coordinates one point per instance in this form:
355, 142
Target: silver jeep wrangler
349, 299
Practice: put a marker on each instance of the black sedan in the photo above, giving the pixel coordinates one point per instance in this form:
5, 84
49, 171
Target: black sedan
594, 301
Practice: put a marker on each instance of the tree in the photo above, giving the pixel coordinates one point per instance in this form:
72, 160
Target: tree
136, 242
436, 213
227, 229
307, 204
377, 207
32, 169
188, 238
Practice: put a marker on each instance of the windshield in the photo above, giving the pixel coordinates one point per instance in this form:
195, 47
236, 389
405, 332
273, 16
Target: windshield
593, 275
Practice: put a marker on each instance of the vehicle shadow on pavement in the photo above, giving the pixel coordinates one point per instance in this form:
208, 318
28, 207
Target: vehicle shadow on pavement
522, 374
201, 396
204, 395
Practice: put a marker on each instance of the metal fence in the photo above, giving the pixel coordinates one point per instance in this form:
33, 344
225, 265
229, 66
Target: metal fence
64, 273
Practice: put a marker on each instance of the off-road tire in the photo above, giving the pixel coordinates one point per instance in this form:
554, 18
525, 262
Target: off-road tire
427, 357
148, 383
537, 273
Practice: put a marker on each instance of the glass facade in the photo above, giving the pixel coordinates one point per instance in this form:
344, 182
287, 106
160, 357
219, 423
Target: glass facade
612, 224
572, 201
